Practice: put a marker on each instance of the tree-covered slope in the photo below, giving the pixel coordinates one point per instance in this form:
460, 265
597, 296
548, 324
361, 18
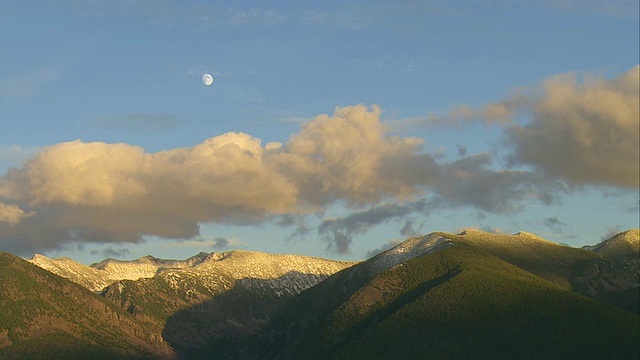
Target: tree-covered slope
44, 316
470, 299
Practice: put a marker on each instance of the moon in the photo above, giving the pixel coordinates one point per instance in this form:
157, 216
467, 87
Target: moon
207, 79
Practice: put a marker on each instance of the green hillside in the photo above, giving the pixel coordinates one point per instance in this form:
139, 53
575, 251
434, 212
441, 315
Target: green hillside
475, 299
44, 316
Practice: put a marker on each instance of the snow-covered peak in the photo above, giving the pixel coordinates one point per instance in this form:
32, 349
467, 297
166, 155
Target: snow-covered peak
144, 267
265, 266
86, 276
624, 243
97, 276
419, 246
237, 265
495, 239
407, 250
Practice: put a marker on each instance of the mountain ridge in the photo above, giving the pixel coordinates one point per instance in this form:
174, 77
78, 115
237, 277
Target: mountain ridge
620, 244
229, 295
98, 276
218, 304
481, 298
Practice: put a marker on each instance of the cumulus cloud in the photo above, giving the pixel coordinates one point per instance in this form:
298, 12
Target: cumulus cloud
351, 157
77, 191
584, 132
14, 155
117, 192
577, 133
96, 192
12, 214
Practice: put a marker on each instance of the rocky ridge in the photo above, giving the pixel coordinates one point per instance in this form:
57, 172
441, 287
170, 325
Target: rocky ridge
224, 297
624, 243
99, 275
407, 250
204, 298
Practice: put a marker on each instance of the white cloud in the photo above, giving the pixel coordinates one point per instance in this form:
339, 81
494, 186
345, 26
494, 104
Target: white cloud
118, 192
585, 133
12, 214
15, 155
97, 192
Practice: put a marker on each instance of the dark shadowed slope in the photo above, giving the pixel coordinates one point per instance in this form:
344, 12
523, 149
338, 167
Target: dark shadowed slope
44, 316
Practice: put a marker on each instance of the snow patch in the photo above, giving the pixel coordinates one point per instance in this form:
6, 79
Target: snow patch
407, 250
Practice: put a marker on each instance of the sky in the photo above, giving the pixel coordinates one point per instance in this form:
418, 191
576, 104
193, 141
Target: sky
333, 129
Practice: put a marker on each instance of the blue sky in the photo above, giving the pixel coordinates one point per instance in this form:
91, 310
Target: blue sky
333, 129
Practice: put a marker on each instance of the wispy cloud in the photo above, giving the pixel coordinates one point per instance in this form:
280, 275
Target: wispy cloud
385, 247
338, 232
174, 15
110, 252
612, 232
409, 229
554, 224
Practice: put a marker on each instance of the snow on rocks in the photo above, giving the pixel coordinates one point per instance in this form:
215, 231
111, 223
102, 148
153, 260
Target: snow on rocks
407, 250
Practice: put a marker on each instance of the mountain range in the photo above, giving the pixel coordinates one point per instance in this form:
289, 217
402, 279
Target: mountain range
467, 295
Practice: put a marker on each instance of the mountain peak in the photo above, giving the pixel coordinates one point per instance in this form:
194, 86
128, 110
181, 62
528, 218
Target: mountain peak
631, 237
84, 275
521, 237
621, 244
409, 249
527, 234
